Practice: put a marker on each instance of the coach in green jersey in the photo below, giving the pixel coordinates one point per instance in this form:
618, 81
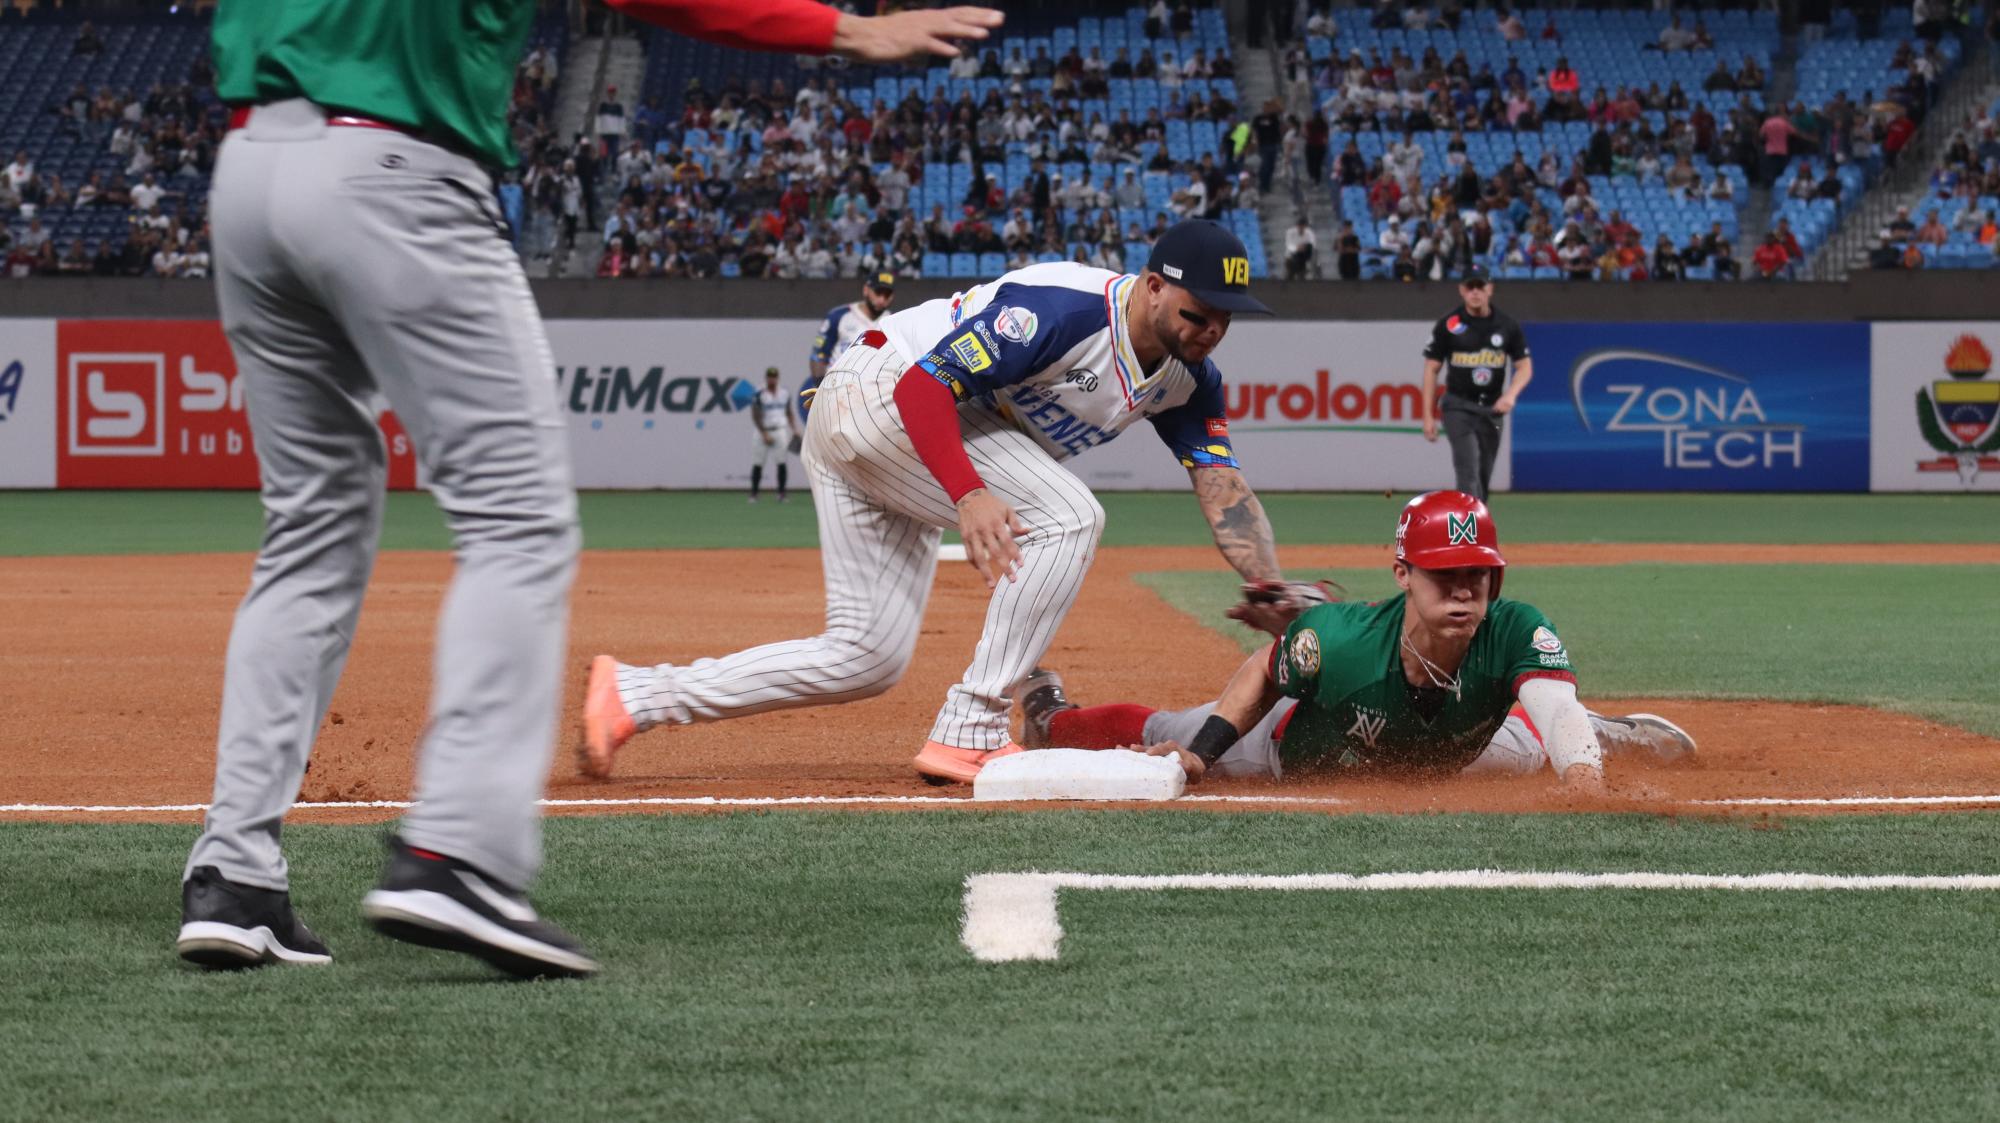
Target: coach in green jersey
360, 254
1445, 677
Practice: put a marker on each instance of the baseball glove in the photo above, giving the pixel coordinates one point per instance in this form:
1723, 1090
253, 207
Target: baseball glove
1271, 606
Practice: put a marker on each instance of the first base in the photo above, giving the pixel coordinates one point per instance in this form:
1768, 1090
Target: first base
1080, 774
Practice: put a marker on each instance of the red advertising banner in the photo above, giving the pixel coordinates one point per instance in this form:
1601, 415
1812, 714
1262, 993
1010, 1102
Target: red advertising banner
158, 404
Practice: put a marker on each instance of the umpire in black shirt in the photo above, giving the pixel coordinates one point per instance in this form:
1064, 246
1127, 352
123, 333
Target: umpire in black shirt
1474, 346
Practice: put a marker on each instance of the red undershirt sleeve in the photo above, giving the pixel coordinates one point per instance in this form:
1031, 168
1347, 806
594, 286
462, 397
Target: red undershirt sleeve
790, 26
930, 417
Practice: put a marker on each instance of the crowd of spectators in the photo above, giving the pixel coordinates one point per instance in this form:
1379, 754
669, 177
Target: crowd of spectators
768, 180
1959, 225
1540, 211
165, 141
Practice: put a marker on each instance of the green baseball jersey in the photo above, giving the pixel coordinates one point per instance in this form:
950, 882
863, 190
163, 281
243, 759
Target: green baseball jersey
444, 68
1343, 662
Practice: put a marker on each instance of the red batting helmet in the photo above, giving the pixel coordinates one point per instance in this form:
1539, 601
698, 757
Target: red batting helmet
1449, 530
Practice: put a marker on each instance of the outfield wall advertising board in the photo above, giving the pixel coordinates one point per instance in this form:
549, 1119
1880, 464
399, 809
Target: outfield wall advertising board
1311, 406
150, 404
1685, 407
27, 403
1936, 407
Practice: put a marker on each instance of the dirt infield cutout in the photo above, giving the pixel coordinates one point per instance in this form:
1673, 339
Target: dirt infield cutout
114, 673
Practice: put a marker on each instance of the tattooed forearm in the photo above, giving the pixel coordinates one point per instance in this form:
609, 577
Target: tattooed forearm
1242, 533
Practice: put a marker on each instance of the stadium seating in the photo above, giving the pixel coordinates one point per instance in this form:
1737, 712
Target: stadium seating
39, 68
675, 64
1959, 185
1607, 48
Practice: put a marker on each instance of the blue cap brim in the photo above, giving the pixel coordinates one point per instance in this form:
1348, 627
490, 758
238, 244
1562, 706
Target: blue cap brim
1235, 302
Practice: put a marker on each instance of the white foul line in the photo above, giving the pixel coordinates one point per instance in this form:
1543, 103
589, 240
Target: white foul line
1012, 916
1851, 801
946, 801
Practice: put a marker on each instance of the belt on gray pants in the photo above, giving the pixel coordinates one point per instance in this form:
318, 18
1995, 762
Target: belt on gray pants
239, 116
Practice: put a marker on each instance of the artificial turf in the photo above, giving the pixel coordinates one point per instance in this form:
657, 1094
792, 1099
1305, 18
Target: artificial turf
807, 965
169, 522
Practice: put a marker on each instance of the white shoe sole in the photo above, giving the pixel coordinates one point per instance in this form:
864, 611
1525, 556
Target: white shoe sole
212, 943
462, 929
1669, 727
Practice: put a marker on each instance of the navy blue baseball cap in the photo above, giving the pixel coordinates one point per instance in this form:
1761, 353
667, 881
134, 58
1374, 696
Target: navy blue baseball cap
1203, 257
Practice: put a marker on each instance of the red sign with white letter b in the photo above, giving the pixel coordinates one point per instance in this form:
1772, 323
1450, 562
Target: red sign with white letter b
158, 404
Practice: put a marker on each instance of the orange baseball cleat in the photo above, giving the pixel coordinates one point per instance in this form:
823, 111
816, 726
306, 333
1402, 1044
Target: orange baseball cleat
606, 723
940, 763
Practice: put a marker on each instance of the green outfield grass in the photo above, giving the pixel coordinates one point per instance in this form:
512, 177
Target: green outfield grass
808, 966
139, 522
1898, 637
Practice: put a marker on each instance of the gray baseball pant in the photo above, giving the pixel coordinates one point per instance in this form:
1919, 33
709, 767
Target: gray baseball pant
1474, 433
351, 260
1513, 751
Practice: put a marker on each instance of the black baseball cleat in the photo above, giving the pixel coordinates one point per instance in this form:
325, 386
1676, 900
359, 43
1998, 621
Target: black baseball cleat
226, 926
429, 899
1042, 698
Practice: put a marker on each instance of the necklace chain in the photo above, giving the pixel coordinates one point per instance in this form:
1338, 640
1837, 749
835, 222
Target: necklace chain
1436, 673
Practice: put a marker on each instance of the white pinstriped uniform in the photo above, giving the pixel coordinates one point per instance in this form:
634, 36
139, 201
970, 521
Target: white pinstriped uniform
1042, 366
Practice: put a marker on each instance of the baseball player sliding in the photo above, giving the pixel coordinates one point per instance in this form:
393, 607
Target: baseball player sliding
1447, 676
958, 413
358, 247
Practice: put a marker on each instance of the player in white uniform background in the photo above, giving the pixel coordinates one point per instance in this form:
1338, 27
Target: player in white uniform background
840, 329
771, 433
956, 414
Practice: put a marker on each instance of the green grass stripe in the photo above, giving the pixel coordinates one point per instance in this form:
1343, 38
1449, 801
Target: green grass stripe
807, 965
165, 522
1896, 637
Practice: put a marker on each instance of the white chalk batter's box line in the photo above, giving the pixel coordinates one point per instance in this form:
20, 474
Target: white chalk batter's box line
959, 801
1010, 917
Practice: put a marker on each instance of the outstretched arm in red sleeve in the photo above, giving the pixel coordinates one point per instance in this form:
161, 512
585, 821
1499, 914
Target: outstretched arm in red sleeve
985, 521
807, 27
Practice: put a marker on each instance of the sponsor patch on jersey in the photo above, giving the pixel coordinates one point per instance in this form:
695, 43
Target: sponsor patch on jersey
985, 336
1546, 641
1085, 380
971, 354
1305, 652
939, 367
1017, 324
1454, 325
1482, 377
1496, 339
1218, 426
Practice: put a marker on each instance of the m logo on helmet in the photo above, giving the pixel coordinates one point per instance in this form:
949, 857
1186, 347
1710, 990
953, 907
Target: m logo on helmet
1461, 530
1235, 270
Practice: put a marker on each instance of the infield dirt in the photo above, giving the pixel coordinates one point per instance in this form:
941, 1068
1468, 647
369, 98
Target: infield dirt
113, 669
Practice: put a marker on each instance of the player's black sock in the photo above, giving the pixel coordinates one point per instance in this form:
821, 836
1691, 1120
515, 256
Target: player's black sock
756, 479
781, 480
